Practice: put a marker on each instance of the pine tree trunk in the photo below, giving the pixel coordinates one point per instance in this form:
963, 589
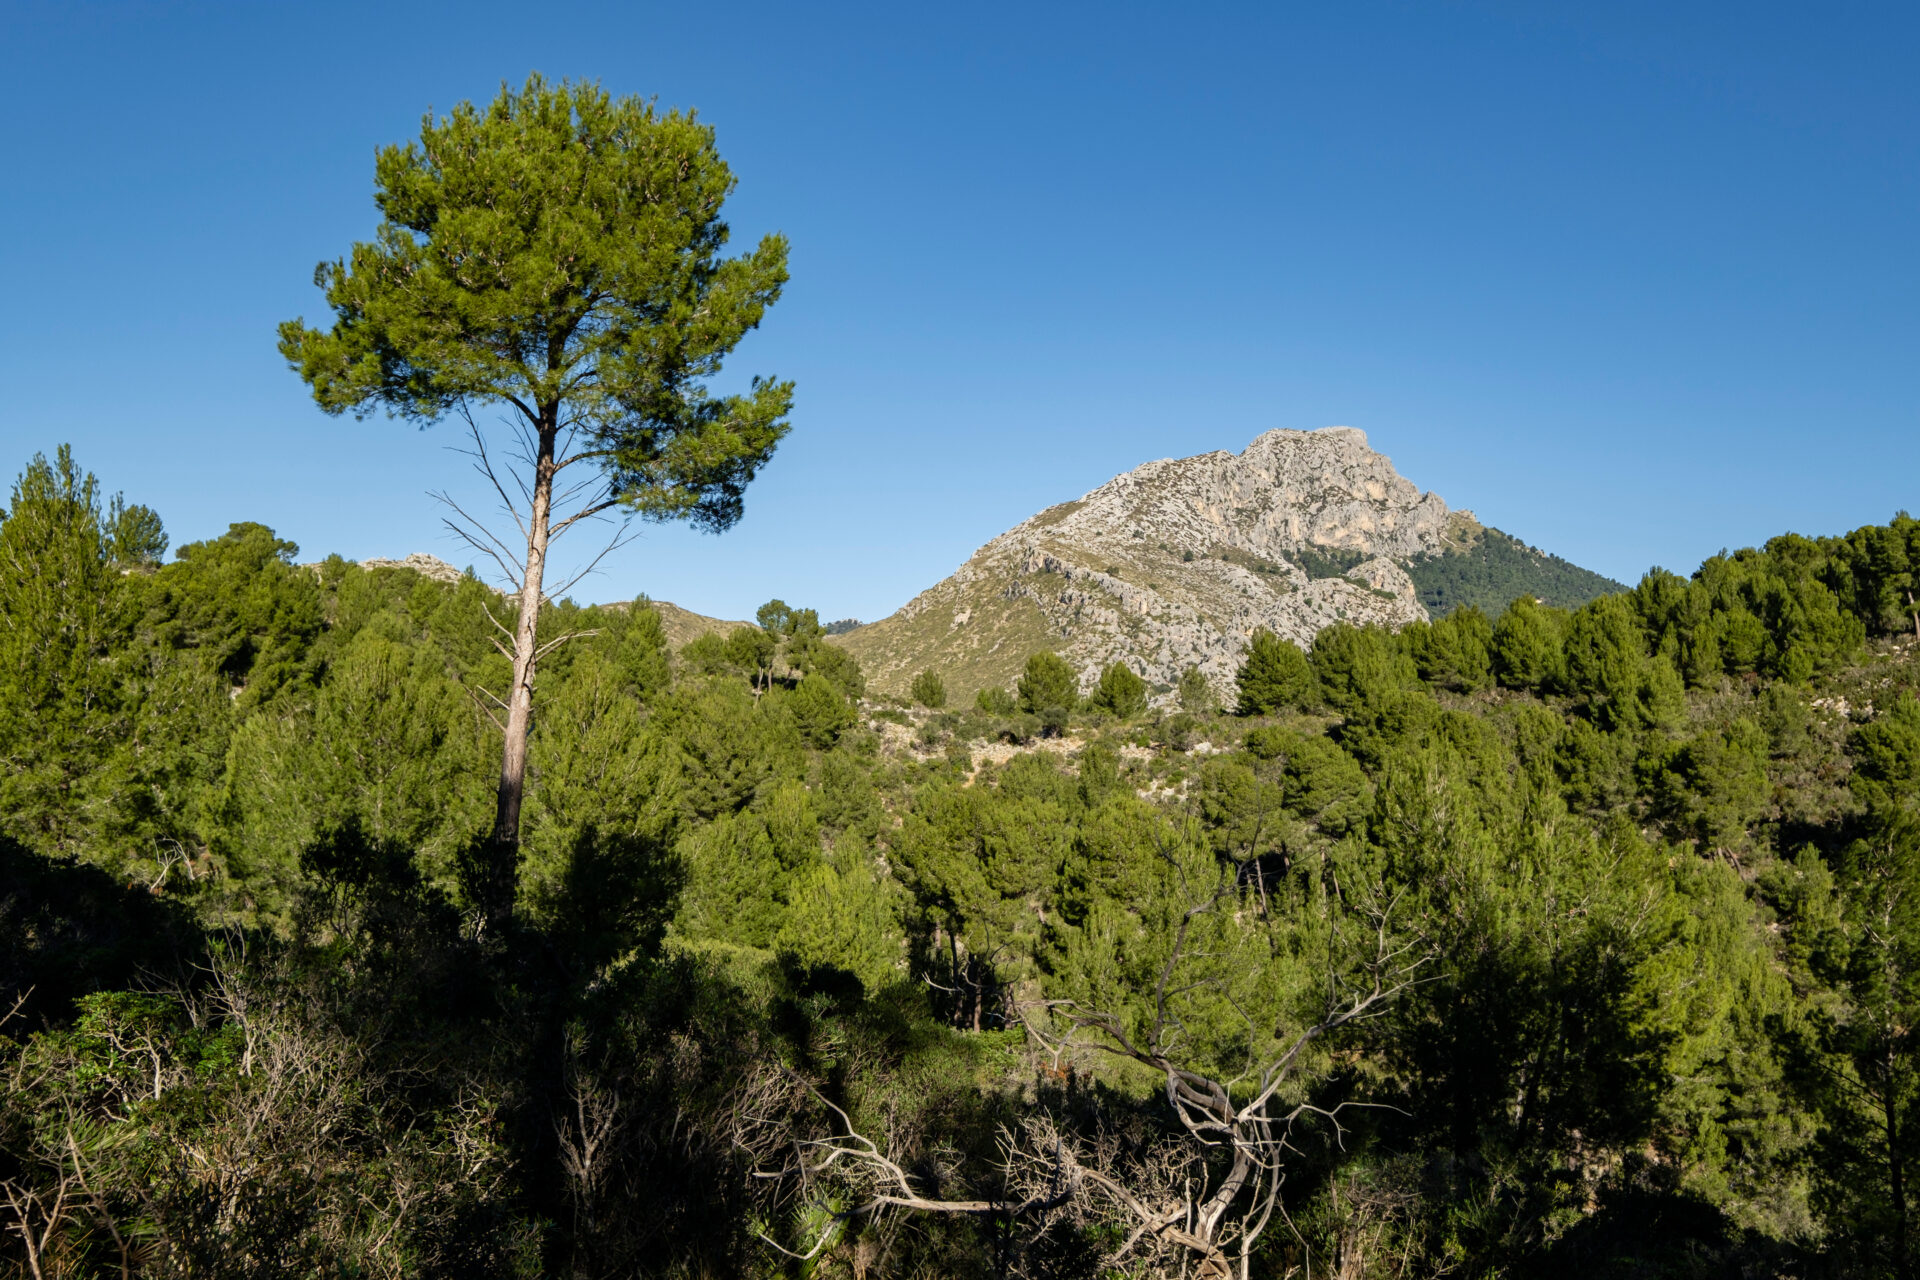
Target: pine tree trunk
1897, 1178
513, 755
1897, 1181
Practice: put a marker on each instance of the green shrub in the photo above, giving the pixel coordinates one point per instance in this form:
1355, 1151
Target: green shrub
819, 711
1527, 645
1275, 675
929, 690
995, 702
1048, 689
1120, 692
1196, 692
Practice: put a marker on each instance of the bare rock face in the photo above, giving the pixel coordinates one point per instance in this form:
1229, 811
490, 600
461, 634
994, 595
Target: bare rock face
421, 563
1176, 563
1289, 490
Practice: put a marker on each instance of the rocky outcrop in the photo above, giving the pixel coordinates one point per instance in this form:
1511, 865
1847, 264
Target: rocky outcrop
421, 563
1176, 563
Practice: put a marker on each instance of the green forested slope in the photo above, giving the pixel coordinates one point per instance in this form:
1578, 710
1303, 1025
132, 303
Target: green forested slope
1493, 568
1531, 942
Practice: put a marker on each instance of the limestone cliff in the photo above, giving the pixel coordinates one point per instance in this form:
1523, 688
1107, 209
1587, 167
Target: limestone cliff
1176, 563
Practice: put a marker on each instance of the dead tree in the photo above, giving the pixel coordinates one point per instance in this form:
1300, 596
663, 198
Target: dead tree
801, 1169
1195, 1204
1227, 1203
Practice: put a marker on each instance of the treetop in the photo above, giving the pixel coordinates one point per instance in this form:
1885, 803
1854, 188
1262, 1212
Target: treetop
559, 252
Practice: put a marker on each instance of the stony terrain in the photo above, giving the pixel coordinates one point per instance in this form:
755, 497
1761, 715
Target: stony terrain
1177, 562
421, 563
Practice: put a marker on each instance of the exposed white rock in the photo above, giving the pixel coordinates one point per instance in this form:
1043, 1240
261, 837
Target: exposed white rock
1178, 561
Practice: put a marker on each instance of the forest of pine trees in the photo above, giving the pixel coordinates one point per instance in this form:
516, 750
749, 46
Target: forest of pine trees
1544, 944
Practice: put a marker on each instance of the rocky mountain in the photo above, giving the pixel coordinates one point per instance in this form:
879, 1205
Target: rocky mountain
1178, 561
420, 562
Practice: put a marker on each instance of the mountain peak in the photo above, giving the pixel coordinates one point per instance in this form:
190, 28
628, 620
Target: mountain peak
1177, 562
1334, 435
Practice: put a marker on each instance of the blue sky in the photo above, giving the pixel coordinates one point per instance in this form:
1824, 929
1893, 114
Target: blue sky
1633, 281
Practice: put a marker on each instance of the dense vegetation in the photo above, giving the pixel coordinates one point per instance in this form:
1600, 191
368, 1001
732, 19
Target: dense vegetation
1561, 942
1494, 568
1485, 570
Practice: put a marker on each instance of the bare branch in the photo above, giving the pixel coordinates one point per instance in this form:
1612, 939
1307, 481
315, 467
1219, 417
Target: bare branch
620, 539
483, 463
476, 692
889, 1186
585, 513
469, 529
19, 1003
559, 640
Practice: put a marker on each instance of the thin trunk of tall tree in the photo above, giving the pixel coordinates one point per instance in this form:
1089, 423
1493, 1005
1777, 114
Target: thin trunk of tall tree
564, 329
1896, 1170
526, 653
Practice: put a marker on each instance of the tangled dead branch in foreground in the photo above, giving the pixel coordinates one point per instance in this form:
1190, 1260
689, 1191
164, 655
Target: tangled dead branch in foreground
1202, 1196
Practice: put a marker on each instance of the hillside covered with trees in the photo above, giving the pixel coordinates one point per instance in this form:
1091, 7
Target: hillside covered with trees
1493, 568
1479, 567
1548, 943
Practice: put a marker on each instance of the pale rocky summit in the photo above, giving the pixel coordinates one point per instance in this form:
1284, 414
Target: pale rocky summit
1176, 563
421, 563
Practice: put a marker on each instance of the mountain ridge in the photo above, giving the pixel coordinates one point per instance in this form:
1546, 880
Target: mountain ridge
1178, 561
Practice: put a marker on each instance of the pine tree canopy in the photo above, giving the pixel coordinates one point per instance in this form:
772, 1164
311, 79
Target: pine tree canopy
560, 253
1275, 675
